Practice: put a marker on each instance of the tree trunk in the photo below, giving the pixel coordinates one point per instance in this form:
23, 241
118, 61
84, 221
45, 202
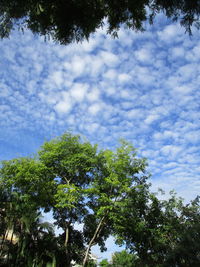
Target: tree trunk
10, 244
20, 243
68, 261
66, 236
3, 240
96, 233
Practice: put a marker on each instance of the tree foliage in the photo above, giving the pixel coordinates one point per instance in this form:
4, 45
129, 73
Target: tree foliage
107, 193
75, 20
165, 232
78, 184
104, 263
123, 258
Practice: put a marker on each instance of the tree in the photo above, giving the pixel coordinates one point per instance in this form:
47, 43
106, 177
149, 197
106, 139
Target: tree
71, 163
123, 258
106, 192
120, 259
91, 263
90, 186
104, 263
118, 174
68, 21
185, 250
25, 240
161, 233
79, 185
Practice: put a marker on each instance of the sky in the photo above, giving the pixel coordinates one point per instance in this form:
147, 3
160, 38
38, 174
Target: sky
143, 87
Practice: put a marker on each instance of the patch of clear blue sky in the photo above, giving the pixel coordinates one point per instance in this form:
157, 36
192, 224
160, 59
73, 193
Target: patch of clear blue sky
143, 87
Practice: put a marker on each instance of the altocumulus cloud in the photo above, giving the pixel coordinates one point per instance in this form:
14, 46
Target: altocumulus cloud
143, 87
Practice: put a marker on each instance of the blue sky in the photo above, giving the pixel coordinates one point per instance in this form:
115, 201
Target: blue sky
143, 87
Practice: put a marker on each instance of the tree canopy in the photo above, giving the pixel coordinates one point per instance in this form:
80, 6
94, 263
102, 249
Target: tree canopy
79, 184
120, 259
91, 194
76, 20
166, 231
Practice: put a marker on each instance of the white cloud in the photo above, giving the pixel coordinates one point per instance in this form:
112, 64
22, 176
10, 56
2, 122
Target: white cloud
144, 55
111, 74
93, 94
92, 128
184, 89
77, 65
134, 113
193, 137
142, 86
65, 104
94, 109
97, 66
188, 71
171, 150
4, 91
151, 118
170, 33
50, 98
109, 58
79, 91
124, 78
57, 77
89, 46
178, 52
62, 107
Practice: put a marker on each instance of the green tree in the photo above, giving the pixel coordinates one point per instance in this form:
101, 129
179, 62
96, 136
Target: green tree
26, 240
91, 263
68, 21
185, 249
104, 263
72, 163
78, 184
120, 259
123, 258
119, 173
26, 187
161, 233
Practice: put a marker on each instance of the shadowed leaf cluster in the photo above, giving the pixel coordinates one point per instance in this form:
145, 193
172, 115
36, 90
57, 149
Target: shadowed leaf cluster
75, 20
